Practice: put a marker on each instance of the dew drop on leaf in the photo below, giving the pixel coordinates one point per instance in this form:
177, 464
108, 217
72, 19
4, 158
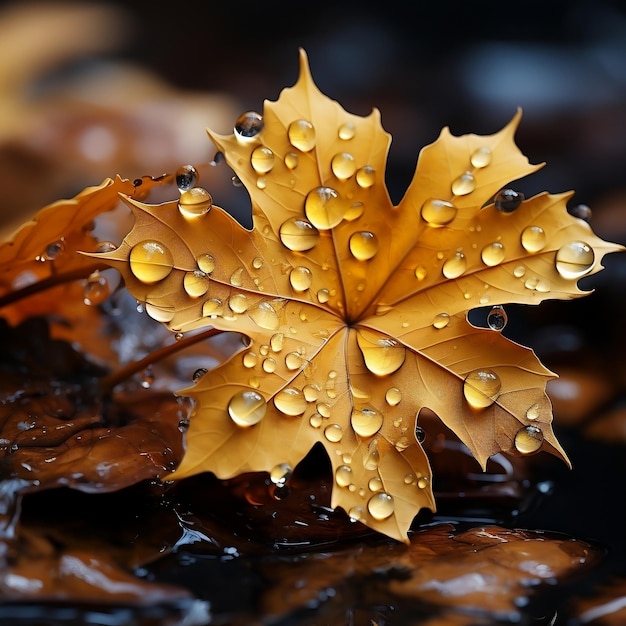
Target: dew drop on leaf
393, 396
366, 422
508, 200
533, 238
291, 160
262, 160
280, 474
151, 261
438, 212
574, 259
455, 265
380, 506
300, 278
528, 439
247, 408
211, 307
323, 296
581, 211
334, 433
264, 316
441, 320
363, 245
250, 359
269, 365
248, 126
301, 134
343, 165
356, 513
481, 388
346, 131
163, 314
497, 318
371, 458
298, 235
290, 401
481, 157
186, 177
324, 208
382, 355
195, 202
464, 184
96, 289
492, 254
343, 475
238, 303
375, 484
366, 176
422, 482
196, 283
206, 263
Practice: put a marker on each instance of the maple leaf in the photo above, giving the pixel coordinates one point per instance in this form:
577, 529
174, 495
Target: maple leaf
355, 309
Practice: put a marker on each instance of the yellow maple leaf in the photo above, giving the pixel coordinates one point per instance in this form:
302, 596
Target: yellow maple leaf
355, 309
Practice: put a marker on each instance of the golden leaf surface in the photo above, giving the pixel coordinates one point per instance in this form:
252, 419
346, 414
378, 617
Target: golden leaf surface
355, 309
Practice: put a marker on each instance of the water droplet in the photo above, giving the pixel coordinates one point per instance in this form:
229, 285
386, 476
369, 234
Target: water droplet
276, 342
356, 513
528, 439
206, 263
382, 355
257, 263
464, 184
238, 303
247, 408
497, 318
481, 388
301, 135
402, 444
323, 296
481, 157
196, 283
346, 131
290, 401
186, 177
533, 238
199, 373
262, 160
96, 289
408, 479
236, 278
211, 307
147, 377
438, 212
293, 361
300, 278
269, 365
291, 160
343, 475
311, 392
163, 314
422, 482
507, 200
250, 359
52, 251
574, 259
441, 320
323, 409
179, 336
298, 235
334, 433
371, 458
375, 484
363, 245
454, 266
420, 434
236, 181
354, 211
261, 182
366, 422
532, 413
366, 176
151, 261
324, 208
519, 271
316, 420
492, 253
380, 506
279, 474
393, 396
581, 211
420, 272
248, 126
264, 316
343, 165
195, 202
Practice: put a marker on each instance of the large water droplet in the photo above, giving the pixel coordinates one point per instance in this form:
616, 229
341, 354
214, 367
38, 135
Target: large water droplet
247, 408
151, 261
206, 263
186, 177
366, 176
298, 234
574, 259
279, 474
497, 318
238, 303
264, 316
196, 283
528, 440
96, 289
346, 131
290, 401
248, 126
262, 160
382, 355
250, 359
269, 365
481, 157
334, 433
507, 200
311, 392
441, 320
438, 212
293, 361
301, 135
454, 266
343, 165
492, 253
212, 307
380, 506
277, 341
300, 278
343, 475
393, 396
464, 184
366, 422
371, 458
481, 388
375, 484
363, 245
533, 238
324, 208
195, 202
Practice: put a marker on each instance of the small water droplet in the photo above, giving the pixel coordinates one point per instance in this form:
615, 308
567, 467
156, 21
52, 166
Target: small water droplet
206, 263
581, 211
441, 320
438, 212
409, 479
257, 262
420, 272
279, 474
363, 245
492, 253
316, 420
481, 157
507, 200
311, 392
247, 408
371, 458
236, 278
366, 422
343, 475
323, 296
354, 211
455, 266
334, 433
264, 316
343, 165
195, 202
199, 373
196, 283
290, 401
248, 126
324, 208
293, 361
519, 271
186, 178
356, 513
533, 411
96, 289
464, 184
151, 261
298, 235
276, 342
211, 307
269, 365
262, 160
422, 482
301, 134
162, 314
250, 359
179, 336
238, 303
402, 444
481, 388
323, 409
366, 176
300, 278
291, 160
574, 259
393, 396
346, 131
375, 484
528, 439
380, 506
497, 318
533, 238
